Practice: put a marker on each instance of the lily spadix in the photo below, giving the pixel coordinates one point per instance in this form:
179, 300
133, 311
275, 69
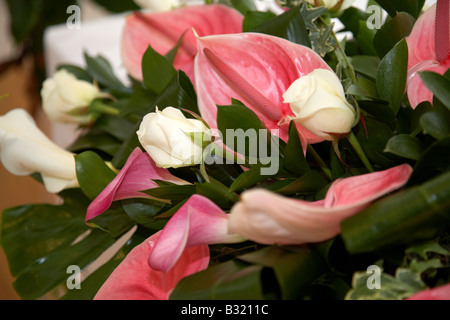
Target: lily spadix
255, 69
162, 30
134, 279
269, 218
198, 222
428, 50
136, 175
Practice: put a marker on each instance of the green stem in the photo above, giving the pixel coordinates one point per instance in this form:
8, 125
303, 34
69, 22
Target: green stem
99, 107
323, 166
359, 151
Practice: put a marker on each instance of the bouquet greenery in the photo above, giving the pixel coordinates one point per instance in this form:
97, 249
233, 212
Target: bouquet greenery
254, 154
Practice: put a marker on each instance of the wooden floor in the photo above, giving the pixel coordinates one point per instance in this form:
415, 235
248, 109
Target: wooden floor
17, 190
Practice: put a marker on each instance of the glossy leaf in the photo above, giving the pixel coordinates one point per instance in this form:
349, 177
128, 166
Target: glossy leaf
438, 85
157, 71
392, 32
289, 25
405, 146
416, 213
391, 75
435, 125
413, 7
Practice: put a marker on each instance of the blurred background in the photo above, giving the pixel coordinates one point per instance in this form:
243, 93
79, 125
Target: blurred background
34, 39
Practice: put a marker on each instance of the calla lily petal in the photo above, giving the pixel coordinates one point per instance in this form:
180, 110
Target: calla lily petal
133, 279
269, 218
24, 149
438, 293
422, 55
256, 69
137, 175
198, 221
163, 30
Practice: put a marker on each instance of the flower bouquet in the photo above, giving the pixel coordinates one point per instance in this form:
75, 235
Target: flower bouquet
256, 153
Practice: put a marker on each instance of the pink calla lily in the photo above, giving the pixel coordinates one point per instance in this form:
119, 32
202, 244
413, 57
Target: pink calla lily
428, 50
133, 279
163, 30
137, 175
269, 218
256, 69
438, 293
199, 221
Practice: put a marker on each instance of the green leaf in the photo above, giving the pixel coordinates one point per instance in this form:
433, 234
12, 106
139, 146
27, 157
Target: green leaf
233, 280
248, 179
175, 193
417, 213
91, 285
391, 75
92, 173
366, 65
294, 268
243, 6
218, 193
100, 69
435, 125
241, 129
351, 19
413, 7
41, 241
145, 212
403, 285
405, 146
310, 182
96, 140
365, 39
78, 72
253, 19
438, 85
294, 158
157, 71
25, 16
289, 25
392, 32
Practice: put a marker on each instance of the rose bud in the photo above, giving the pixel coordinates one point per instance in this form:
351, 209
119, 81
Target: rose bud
66, 99
171, 139
319, 104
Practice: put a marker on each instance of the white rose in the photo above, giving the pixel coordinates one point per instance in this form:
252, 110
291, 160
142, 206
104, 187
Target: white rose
66, 99
24, 150
165, 135
334, 5
319, 104
158, 5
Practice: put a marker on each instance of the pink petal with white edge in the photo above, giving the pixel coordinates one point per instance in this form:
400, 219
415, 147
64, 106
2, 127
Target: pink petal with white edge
198, 221
133, 279
438, 293
269, 218
163, 30
137, 175
256, 69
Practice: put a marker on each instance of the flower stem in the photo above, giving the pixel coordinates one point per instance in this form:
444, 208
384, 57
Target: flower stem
320, 161
359, 151
99, 107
